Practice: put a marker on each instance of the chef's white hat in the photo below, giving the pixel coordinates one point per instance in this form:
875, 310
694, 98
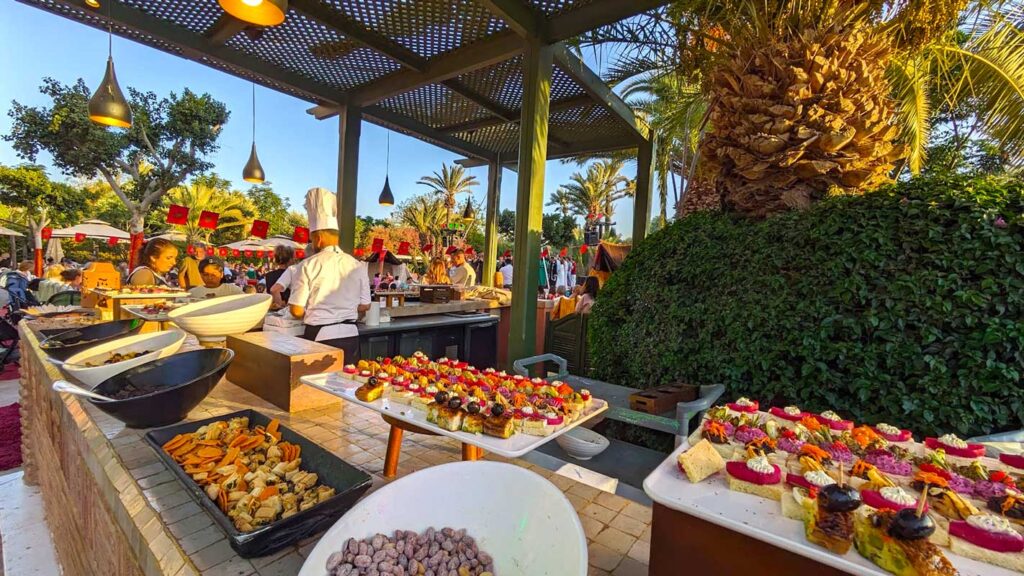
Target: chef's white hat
322, 209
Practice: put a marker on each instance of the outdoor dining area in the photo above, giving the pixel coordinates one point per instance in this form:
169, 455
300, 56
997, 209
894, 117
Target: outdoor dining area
813, 368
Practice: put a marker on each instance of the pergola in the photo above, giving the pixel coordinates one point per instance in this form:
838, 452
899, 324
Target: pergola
488, 79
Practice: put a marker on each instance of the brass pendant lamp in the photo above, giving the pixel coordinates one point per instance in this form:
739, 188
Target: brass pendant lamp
386, 198
259, 12
108, 105
253, 171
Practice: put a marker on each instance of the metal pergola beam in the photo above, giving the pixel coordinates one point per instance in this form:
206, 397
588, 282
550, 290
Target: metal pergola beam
564, 104
203, 50
482, 54
388, 118
224, 29
594, 15
597, 89
517, 16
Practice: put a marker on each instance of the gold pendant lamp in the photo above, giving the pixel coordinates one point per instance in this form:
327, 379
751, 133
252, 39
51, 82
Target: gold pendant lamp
386, 198
259, 12
253, 171
108, 105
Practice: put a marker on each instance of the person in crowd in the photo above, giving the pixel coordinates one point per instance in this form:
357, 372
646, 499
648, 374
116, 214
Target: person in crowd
462, 274
52, 270
506, 274
261, 288
588, 295
122, 269
5, 260
249, 289
437, 273
572, 273
67, 280
284, 256
330, 289
376, 281
211, 270
17, 283
156, 260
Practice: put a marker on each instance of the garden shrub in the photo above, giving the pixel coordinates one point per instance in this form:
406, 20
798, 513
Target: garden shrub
905, 305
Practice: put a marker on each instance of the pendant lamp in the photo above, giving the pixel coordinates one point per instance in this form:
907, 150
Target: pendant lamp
386, 197
469, 213
107, 105
253, 171
259, 12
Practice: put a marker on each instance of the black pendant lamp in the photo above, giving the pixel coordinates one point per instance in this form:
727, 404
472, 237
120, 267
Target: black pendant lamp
386, 198
259, 12
253, 171
469, 213
108, 105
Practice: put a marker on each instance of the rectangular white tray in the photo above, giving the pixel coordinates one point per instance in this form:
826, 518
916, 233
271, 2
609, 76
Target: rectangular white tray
513, 447
712, 501
117, 295
136, 310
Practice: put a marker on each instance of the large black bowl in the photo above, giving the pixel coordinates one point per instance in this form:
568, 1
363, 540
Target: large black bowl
184, 380
63, 344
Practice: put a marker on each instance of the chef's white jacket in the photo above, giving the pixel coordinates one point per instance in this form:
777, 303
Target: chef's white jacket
330, 285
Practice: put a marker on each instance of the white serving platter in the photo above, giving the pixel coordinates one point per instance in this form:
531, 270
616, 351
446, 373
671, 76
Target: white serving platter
136, 310
712, 501
513, 447
521, 519
118, 295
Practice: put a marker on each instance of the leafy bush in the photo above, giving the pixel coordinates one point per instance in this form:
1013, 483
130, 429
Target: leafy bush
905, 305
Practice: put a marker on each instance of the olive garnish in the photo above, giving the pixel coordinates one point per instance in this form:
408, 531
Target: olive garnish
907, 525
497, 410
836, 498
441, 397
473, 407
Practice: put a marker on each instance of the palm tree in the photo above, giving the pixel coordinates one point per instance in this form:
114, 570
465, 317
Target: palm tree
449, 183
593, 195
199, 197
808, 98
427, 215
561, 199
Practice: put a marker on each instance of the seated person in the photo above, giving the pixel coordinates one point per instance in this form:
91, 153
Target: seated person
588, 295
67, 280
212, 272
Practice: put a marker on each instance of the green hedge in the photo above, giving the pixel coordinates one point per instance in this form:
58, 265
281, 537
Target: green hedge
905, 305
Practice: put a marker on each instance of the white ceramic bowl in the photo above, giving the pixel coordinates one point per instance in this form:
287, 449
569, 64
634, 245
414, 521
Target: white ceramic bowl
582, 444
518, 517
219, 317
160, 345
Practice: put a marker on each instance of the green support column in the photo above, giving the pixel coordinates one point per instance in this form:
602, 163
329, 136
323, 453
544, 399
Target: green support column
491, 224
349, 126
644, 185
533, 153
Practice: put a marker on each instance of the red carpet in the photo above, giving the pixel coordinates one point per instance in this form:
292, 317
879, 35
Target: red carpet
10, 437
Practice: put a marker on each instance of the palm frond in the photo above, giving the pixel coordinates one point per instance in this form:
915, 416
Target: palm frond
910, 80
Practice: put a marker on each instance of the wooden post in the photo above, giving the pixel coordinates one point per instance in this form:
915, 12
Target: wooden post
533, 152
349, 127
644, 183
491, 224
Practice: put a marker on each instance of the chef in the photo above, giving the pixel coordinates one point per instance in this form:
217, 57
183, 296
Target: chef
330, 288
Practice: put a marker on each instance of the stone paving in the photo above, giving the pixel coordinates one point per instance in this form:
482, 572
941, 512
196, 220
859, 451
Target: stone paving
618, 530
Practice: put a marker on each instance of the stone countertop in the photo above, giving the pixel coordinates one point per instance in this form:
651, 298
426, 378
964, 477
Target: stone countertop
171, 535
422, 322
422, 309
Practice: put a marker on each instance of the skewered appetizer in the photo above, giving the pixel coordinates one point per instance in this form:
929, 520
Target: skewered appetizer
898, 542
828, 520
371, 390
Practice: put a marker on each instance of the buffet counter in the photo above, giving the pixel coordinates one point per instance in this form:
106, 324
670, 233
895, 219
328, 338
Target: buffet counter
116, 509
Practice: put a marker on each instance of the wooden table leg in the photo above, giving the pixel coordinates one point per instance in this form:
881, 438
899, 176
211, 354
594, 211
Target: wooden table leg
471, 453
394, 451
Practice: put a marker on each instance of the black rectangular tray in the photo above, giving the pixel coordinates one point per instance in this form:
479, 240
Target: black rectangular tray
349, 484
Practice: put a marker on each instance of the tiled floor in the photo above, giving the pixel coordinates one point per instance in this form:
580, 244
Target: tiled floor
618, 530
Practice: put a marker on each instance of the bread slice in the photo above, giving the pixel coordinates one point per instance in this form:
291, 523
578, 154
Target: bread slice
791, 508
1009, 560
701, 461
769, 491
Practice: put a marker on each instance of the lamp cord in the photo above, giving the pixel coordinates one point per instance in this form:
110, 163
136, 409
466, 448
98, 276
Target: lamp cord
110, 34
387, 156
253, 112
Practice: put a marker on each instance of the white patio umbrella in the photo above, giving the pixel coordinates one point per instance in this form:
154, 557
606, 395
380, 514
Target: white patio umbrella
279, 240
54, 250
92, 229
249, 244
170, 235
9, 232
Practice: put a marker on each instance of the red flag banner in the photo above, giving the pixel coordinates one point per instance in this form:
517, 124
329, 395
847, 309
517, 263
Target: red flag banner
427, 247
544, 253
260, 228
248, 253
470, 251
191, 249
507, 254
300, 253
450, 250
403, 248
583, 249
112, 241
358, 252
177, 214
378, 245
208, 220
46, 233
563, 252
79, 237
235, 252
301, 235
223, 252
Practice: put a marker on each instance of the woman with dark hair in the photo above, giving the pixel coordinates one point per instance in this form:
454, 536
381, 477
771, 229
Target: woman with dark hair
284, 256
156, 259
588, 295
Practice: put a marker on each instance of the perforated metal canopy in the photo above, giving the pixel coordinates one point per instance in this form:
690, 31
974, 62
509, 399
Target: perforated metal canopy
445, 71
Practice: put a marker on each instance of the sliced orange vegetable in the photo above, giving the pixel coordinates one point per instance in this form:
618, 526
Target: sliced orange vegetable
229, 457
175, 442
238, 441
273, 426
268, 492
210, 452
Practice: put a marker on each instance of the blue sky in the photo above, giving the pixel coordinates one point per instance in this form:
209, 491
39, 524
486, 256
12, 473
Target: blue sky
297, 151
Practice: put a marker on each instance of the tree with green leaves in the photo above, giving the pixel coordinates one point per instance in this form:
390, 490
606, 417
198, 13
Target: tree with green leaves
427, 215
562, 200
170, 139
558, 230
449, 183
271, 207
36, 201
198, 197
593, 194
507, 225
